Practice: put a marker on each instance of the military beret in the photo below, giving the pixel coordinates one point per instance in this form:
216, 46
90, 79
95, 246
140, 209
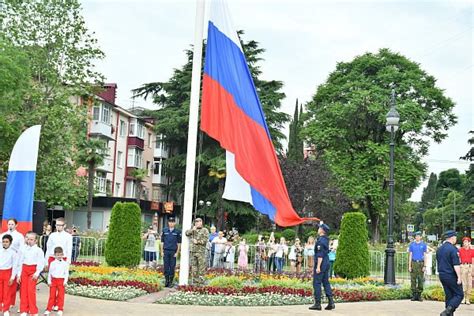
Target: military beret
449, 233
171, 219
418, 234
466, 238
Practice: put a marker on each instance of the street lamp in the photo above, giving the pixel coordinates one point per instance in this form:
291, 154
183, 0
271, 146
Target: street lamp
201, 204
392, 126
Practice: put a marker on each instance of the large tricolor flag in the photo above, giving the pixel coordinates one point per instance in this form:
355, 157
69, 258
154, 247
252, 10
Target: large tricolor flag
232, 114
21, 177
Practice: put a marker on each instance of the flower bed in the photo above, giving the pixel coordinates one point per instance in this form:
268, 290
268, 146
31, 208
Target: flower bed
149, 288
114, 293
266, 299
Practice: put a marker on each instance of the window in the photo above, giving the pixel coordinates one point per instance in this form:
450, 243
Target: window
106, 113
149, 140
117, 189
132, 129
123, 128
148, 169
100, 182
135, 158
119, 159
158, 167
140, 131
96, 113
130, 189
155, 194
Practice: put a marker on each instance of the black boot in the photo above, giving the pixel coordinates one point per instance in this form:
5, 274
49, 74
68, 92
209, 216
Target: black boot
331, 304
413, 297
419, 298
171, 278
316, 306
167, 283
448, 311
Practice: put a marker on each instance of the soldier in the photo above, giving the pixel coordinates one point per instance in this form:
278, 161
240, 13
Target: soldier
170, 245
450, 273
417, 266
198, 239
321, 269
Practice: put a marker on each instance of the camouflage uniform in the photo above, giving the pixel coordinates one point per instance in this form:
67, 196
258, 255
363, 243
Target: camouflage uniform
198, 242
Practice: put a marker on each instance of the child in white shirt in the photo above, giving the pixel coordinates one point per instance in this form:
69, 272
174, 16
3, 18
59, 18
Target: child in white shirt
8, 271
57, 279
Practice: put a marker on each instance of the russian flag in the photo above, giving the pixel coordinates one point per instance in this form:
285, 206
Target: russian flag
232, 114
19, 193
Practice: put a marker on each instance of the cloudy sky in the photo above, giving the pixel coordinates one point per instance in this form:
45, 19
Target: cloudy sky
145, 40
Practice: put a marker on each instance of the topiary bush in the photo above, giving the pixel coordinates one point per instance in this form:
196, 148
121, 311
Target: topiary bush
289, 234
352, 256
123, 246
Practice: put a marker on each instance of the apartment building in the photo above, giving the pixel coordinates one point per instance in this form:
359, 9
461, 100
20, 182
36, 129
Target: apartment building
131, 144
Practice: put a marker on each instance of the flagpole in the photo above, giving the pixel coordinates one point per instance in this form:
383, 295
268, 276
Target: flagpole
192, 140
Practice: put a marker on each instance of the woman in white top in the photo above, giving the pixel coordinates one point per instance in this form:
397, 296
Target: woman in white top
309, 253
149, 253
229, 255
281, 252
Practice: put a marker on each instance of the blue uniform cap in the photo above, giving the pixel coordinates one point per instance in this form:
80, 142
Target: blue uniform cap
324, 227
418, 234
449, 233
171, 219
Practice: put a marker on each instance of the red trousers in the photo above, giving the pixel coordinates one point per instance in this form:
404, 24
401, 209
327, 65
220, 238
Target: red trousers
28, 290
56, 294
5, 297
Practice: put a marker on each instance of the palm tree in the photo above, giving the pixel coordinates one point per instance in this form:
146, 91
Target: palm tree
91, 153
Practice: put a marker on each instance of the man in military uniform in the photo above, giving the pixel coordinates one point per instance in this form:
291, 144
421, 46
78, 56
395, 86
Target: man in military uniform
450, 273
321, 268
417, 265
170, 246
198, 239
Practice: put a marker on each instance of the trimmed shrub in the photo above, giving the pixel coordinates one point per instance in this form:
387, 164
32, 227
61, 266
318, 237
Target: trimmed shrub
352, 257
123, 247
289, 234
227, 282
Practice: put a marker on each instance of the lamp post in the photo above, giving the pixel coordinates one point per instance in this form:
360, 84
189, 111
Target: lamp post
392, 126
201, 204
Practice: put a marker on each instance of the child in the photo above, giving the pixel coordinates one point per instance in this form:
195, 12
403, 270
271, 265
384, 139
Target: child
30, 265
57, 279
8, 267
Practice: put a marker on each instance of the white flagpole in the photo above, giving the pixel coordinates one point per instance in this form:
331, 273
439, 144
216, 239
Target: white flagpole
192, 141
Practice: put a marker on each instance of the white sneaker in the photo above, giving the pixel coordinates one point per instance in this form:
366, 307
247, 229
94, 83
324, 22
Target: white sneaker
46, 313
7, 313
55, 308
60, 313
23, 314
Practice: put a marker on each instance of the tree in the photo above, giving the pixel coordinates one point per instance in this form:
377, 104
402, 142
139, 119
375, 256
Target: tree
352, 260
123, 246
448, 179
312, 190
346, 123
470, 154
172, 98
295, 142
60, 51
428, 198
91, 153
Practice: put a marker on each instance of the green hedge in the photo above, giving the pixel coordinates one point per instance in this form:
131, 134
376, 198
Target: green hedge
123, 247
352, 256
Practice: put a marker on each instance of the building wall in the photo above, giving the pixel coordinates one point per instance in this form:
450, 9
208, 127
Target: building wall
148, 150
121, 154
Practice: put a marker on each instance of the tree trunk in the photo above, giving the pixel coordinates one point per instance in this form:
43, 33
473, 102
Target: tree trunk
90, 193
220, 208
375, 220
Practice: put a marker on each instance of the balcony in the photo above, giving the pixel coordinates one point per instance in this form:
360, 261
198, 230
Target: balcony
107, 166
100, 128
159, 179
100, 186
160, 153
135, 141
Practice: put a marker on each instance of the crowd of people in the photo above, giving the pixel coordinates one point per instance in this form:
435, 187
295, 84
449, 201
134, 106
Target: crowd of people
22, 263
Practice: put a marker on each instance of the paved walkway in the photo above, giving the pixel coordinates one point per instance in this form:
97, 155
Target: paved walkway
80, 306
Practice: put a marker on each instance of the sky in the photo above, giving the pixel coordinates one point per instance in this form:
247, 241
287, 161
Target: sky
144, 41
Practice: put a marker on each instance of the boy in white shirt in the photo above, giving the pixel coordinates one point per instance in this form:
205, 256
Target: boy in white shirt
8, 271
31, 264
57, 279
60, 238
16, 244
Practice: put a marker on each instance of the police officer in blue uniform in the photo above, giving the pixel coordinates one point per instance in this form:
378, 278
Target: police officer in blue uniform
450, 273
170, 246
321, 269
